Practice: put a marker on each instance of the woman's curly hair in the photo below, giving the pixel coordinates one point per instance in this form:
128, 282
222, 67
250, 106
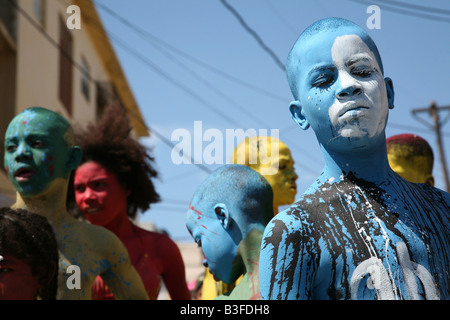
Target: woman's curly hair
30, 238
110, 144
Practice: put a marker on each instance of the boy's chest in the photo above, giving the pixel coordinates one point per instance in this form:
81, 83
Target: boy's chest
368, 248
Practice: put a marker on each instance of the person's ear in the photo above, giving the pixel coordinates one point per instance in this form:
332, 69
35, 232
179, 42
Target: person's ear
298, 115
430, 181
74, 158
223, 215
390, 92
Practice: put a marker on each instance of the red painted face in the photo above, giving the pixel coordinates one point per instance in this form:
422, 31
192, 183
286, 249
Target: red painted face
99, 194
16, 280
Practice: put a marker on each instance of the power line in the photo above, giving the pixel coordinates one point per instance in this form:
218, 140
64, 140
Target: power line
157, 43
280, 17
253, 33
416, 6
211, 107
193, 73
433, 110
406, 12
53, 42
414, 129
78, 66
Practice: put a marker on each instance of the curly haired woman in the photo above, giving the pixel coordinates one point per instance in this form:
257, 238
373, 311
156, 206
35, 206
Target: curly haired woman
112, 183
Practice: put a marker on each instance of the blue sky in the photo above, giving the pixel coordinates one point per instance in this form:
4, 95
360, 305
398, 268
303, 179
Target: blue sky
191, 60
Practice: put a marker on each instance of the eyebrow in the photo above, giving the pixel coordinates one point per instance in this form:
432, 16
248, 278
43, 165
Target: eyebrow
358, 59
321, 68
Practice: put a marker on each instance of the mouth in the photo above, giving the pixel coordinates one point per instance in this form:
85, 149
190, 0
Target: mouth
23, 174
352, 110
92, 210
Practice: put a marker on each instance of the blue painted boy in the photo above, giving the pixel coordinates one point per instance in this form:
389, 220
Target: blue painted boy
360, 231
227, 217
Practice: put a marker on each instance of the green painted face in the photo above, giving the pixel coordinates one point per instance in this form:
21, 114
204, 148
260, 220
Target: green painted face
36, 151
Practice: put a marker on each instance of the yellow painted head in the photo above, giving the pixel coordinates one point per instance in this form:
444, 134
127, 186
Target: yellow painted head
411, 157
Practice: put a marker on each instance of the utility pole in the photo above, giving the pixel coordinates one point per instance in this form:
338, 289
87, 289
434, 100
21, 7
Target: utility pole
433, 110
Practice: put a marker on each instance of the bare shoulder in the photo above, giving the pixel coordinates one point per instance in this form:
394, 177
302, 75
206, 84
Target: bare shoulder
98, 237
157, 239
286, 222
437, 197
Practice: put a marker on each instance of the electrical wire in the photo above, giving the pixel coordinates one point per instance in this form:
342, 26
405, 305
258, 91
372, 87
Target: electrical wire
253, 33
207, 83
158, 43
402, 10
79, 67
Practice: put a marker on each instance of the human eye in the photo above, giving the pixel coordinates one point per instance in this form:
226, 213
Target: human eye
38, 143
362, 71
323, 80
100, 184
10, 145
11, 148
79, 188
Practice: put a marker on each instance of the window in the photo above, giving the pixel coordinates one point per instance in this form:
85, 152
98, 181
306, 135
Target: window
38, 10
85, 78
8, 17
65, 66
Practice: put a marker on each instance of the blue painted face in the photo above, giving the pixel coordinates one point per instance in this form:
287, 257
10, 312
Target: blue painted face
35, 151
217, 243
341, 91
230, 202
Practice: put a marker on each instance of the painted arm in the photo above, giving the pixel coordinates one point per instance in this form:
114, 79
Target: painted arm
121, 277
281, 260
174, 272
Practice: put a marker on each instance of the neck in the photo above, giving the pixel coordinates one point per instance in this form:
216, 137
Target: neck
249, 250
121, 226
275, 208
51, 204
369, 164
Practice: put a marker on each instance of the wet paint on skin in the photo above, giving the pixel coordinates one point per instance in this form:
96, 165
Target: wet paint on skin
329, 233
360, 231
227, 221
32, 141
42, 141
346, 100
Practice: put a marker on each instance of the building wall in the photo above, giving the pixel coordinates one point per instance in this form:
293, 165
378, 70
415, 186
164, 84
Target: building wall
38, 64
30, 66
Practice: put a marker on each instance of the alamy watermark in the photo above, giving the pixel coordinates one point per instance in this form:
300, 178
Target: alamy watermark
74, 20
374, 20
74, 280
213, 147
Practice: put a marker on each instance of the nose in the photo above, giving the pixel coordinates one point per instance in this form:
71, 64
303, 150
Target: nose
349, 87
294, 174
348, 92
23, 152
90, 196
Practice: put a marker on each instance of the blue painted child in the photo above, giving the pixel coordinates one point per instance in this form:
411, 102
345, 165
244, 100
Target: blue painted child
360, 231
227, 217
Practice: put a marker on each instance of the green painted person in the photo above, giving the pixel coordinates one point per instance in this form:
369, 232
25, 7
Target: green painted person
40, 155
